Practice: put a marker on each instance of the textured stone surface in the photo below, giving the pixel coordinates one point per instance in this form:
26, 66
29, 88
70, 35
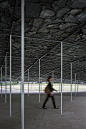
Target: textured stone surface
47, 13
71, 19
62, 3
43, 29
37, 22
33, 10
62, 12
77, 4
75, 11
46, 19
64, 26
82, 1
82, 16
5, 4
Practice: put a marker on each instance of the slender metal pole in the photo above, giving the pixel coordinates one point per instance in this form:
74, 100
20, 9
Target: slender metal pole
41, 86
5, 79
31, 86
63, 86
10, 75
13, 84
28, 82
1, 81
61, 73
71, 81
39, 80
53, 76
75, 84
59, 87
22, 64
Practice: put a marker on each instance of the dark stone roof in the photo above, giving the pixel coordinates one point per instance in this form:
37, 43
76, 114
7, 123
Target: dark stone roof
61, 20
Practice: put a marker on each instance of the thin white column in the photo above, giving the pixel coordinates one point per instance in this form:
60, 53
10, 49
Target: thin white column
61, 72
71, 81
20, 87
39, 80
22, 64
1, 81
31, 86
59, 87
63, 86
5, 79
13, 84
41, 86
10, 75
75, 84
28, 82
53, 76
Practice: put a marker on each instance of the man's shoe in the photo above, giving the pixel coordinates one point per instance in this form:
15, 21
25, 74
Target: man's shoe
56, 108
44, 107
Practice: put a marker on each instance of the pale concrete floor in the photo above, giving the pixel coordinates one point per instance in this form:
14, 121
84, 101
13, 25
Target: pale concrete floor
16, 91
73, 117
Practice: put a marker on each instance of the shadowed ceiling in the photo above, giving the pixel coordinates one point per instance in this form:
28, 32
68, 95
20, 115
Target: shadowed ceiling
47, 23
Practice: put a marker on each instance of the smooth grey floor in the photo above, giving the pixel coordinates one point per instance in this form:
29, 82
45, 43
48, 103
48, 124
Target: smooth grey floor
73, 117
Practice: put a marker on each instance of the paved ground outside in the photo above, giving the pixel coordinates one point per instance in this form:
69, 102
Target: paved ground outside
73, 117
34, 88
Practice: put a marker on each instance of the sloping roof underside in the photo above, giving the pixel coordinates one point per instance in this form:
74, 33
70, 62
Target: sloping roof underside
55, 21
